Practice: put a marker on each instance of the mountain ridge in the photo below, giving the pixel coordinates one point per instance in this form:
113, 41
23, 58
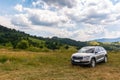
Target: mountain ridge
13, 37
18, 39
108, 40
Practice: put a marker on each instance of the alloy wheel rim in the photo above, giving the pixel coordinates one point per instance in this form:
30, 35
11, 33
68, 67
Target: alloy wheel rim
93, 63
105, 59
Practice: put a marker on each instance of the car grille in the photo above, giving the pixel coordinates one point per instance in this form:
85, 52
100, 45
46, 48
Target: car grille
77, 58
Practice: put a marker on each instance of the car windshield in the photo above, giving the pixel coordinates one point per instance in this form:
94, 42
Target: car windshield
86, 50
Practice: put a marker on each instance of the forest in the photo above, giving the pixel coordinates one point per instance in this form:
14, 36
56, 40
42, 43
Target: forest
11, 38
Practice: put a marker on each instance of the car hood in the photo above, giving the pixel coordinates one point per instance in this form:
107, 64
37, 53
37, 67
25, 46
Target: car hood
82, 54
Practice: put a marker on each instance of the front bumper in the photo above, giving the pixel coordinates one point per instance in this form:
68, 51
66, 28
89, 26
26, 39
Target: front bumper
80, 63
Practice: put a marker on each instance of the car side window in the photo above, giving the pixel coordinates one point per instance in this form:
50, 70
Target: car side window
97, 50
102, 49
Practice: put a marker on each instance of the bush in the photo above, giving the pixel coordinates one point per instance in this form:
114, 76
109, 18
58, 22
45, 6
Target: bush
66, 47
34, 49
9, 44
3, 59
23, 44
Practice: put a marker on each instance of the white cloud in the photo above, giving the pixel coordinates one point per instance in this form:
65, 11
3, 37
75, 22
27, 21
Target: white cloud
19, 7
21, 20
6, 21
46, 17
77, 19
40, 4
81, 35
111, 34
52, 31
93, 30
43, 17
61, 3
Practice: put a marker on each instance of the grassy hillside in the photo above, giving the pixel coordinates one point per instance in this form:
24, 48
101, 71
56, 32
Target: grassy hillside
11, 38
25, 65
17, 39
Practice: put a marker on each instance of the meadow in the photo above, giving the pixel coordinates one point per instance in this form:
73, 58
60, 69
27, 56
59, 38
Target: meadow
54, 65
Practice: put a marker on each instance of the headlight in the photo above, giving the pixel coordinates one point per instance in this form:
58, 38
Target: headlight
86, 58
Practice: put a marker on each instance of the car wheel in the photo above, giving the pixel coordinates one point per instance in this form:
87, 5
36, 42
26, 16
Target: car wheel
93, 63
105, 59
73, 64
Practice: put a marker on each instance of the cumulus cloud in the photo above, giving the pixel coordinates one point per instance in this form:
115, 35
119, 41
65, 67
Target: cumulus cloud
61, 3
43, 17
6, 21
93, 12
76, 19
40, 4
20, 20
19, 7
112, 34
50, 32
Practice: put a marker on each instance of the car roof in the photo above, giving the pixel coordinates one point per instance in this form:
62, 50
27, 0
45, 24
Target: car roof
92, 46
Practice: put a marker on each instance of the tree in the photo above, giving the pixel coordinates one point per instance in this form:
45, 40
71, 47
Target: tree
66, 47
23, 44
9, 44
52, 45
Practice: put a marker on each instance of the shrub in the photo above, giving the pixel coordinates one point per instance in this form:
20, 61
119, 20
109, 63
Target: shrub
66, 47
3, 59
9, 44
23, 44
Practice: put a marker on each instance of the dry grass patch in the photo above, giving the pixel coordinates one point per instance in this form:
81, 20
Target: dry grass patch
54, 65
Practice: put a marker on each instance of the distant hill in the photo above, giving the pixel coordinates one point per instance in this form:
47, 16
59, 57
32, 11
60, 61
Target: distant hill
16, 39
13, 37
108, 40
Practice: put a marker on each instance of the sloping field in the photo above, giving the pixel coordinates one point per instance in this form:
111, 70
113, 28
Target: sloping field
25, 65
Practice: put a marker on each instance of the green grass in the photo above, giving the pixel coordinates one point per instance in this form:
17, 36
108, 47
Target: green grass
36, 40
54, 65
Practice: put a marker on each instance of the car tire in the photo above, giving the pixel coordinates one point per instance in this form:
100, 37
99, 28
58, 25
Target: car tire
72, 63
92, 63
105, 59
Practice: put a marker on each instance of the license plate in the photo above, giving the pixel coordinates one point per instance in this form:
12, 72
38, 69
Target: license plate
77, 60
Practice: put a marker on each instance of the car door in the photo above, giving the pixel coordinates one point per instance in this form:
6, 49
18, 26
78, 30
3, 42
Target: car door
98, 54
102, 52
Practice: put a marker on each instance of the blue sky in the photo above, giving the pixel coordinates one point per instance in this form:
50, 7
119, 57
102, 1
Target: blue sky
80, 20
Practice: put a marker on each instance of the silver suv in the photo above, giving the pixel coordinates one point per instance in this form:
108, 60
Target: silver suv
89, 55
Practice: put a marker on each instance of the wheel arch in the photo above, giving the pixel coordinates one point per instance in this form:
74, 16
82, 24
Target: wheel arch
106, 55
93, 58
